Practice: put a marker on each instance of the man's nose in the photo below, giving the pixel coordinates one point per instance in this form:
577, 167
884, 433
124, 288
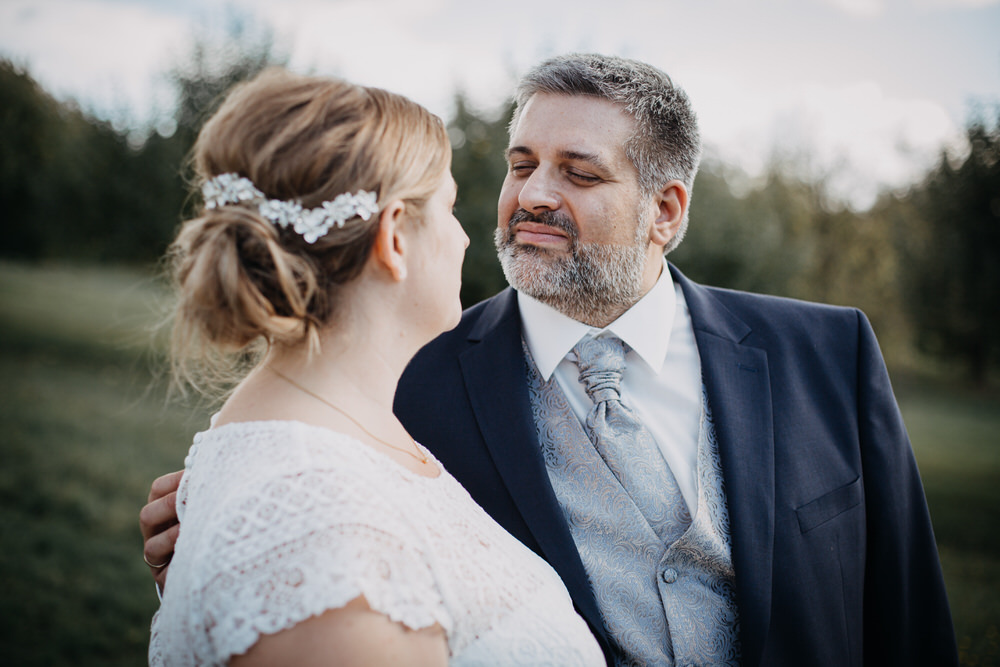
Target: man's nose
539, 192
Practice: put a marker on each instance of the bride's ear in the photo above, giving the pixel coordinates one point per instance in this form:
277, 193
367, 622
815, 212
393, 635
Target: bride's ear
390, 243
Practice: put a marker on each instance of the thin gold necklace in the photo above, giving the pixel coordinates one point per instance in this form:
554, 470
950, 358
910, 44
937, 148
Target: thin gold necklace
420, 456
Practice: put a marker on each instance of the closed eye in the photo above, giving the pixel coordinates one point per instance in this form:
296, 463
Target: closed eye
582, 178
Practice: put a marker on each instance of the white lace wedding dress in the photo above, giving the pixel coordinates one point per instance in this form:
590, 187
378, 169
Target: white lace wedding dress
281, 521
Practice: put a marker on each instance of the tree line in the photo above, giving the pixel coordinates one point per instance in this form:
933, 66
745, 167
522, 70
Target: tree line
924, 264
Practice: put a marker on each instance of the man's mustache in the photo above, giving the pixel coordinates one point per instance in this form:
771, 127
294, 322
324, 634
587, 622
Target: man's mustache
554, 219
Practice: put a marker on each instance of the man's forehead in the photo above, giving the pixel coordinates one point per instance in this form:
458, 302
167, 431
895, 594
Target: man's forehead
574, 126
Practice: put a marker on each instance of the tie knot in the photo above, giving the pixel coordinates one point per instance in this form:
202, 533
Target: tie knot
602, 363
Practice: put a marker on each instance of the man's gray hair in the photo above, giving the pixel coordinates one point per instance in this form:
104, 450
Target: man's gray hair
666, 144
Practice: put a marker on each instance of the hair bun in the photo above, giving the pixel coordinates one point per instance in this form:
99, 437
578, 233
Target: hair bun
291, 165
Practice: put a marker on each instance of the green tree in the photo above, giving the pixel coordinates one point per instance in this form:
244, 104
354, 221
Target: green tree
751, 242
951, 242
200, 81
72, 186
478, 164
216, 64
68, 183
787, 236
29, 129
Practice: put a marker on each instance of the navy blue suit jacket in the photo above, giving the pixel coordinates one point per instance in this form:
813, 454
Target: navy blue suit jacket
832, 544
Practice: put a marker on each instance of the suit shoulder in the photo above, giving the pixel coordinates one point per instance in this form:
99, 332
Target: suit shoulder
765, 311
792, 327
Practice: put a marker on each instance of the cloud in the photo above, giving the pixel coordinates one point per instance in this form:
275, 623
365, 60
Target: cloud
354, 39
956, 4
857, 137
872, 9
859, 8
762, 79
105, 53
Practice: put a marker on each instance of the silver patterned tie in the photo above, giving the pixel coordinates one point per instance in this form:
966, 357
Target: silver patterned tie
624, 443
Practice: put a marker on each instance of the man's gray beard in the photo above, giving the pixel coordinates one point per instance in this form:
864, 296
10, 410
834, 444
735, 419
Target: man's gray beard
594, 283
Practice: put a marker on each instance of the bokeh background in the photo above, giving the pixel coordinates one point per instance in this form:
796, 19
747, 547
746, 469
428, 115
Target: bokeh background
852, 157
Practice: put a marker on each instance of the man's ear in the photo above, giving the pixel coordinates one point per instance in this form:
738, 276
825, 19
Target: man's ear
672, 204
390, 248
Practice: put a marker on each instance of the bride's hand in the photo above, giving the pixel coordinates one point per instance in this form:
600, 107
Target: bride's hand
159, 525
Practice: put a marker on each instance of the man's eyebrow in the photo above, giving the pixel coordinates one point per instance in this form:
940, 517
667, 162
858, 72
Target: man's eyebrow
518, 150
592, 158
580, 156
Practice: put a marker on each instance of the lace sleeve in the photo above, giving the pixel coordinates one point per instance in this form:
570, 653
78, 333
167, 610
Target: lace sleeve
304, 544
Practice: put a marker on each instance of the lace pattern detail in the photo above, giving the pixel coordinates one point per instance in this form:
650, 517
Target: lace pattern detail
282, 521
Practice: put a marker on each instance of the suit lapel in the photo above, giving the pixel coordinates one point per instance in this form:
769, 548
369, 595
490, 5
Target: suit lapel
737, 382
496, 383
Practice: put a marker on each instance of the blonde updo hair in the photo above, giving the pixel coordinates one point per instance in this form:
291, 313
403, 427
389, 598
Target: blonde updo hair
240, 279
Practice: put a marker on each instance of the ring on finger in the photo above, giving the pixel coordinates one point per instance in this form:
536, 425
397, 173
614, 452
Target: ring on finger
155, 567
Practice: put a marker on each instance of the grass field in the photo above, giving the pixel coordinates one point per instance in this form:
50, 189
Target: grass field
956, 439
86, 428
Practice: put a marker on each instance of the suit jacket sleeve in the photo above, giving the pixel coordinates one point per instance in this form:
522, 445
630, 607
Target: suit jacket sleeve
906, 616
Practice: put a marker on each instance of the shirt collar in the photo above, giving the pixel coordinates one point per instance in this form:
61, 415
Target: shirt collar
645, 327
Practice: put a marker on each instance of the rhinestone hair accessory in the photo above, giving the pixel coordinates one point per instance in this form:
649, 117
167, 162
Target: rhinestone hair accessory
310, 223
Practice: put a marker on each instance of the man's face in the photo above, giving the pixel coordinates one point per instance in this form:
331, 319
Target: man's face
573, 226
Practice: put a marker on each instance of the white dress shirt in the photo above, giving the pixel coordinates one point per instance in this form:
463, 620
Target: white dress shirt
662, 380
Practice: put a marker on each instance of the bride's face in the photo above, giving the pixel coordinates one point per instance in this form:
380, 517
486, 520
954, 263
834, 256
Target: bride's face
439, 244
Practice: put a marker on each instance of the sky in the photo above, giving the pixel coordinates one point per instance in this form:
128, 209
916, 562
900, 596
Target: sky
863, 92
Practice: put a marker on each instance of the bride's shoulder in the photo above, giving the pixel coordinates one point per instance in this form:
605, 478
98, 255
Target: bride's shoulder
241, 460
276, 446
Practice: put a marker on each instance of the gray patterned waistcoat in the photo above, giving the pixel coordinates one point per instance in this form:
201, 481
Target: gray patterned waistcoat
663, 604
